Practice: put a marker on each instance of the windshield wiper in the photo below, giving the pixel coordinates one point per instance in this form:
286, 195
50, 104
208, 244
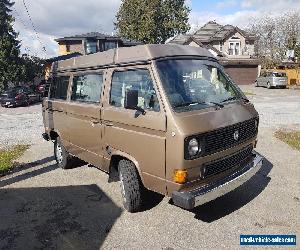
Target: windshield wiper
235, 98
196, 103
217, 104
185, 104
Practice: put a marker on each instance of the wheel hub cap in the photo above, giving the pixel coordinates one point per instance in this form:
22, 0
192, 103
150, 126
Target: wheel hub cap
59, 155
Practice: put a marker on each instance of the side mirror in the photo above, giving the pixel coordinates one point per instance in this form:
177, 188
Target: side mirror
131, 100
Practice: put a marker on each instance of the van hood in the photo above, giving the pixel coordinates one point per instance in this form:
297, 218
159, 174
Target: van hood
200, 121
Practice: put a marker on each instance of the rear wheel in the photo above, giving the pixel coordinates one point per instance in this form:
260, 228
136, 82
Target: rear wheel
62, 157
131, 186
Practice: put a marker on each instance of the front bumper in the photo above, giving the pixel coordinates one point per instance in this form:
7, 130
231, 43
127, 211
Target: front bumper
279, 84
10, 103
199, 196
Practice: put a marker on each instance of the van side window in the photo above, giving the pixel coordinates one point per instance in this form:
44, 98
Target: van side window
140, 80
59, 87
87, 88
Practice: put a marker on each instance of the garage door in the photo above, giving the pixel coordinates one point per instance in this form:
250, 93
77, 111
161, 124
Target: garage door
242, 74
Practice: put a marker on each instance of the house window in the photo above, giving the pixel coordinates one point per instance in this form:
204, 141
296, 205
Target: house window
234, 48
101, 45
91, 46
110, 45
221, 46
68, 47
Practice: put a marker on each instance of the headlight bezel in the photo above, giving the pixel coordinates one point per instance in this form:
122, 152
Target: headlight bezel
187, 155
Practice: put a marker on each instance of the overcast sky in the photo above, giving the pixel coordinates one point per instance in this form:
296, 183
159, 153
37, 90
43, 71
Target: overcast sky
58, 18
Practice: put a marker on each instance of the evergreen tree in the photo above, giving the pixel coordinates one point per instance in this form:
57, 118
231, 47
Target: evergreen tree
152, 21
9, 46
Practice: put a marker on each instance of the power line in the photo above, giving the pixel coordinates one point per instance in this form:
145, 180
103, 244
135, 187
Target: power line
21, 20
26, 48
33, 26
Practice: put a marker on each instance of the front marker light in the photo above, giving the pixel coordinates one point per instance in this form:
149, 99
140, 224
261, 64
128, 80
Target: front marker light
180, 176
193, 147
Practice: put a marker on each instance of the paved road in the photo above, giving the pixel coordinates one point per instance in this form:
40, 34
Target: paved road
42, 206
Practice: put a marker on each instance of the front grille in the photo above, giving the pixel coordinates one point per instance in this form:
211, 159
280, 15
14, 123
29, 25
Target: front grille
219, 166
223, 138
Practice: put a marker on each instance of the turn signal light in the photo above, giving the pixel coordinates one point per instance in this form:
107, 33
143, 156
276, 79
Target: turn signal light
180, 176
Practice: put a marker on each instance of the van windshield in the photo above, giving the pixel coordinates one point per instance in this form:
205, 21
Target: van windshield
192, 84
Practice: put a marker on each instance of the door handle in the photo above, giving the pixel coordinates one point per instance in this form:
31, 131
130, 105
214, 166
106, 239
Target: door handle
93, 122
109, 124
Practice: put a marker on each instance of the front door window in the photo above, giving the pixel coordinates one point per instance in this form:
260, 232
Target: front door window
139, 79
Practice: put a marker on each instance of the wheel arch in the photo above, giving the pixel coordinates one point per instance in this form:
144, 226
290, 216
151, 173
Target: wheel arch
117, 156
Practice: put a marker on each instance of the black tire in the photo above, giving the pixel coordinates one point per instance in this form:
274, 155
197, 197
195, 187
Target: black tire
63, 159
131, 186
26, 103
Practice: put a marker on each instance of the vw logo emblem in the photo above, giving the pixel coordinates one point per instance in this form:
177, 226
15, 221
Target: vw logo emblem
236, 135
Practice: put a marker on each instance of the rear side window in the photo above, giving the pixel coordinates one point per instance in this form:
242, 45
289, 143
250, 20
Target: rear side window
9, 94
87, 88
134, 79
279, 74
59, 87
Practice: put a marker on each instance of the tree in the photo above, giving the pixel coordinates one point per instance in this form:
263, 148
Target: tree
152, 21
9, 46
276, 35
30, 67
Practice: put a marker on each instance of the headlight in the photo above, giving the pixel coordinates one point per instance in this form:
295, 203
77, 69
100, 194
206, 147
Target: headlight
256, 123
193, 147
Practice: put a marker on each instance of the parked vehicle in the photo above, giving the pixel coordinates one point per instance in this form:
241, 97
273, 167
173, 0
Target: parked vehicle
271, 79
13, 98
164, 117
18, 96
33, 96
42, 87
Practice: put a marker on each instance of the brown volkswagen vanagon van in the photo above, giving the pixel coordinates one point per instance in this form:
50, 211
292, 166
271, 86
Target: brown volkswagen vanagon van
165, 117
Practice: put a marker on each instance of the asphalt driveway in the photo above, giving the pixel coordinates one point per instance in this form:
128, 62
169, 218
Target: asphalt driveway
42, 206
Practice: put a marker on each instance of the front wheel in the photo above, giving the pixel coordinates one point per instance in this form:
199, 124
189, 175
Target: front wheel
62, 157
131, 186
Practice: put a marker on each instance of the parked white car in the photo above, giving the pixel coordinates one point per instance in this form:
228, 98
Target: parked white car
272, 79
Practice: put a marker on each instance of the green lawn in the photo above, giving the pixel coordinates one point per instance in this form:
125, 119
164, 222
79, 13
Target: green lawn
8, 157
292, 138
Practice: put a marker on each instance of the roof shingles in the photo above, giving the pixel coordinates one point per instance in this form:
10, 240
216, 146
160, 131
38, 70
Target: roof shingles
212, 31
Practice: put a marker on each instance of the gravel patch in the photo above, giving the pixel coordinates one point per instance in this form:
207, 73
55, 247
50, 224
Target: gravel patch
277, 108
23, 125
